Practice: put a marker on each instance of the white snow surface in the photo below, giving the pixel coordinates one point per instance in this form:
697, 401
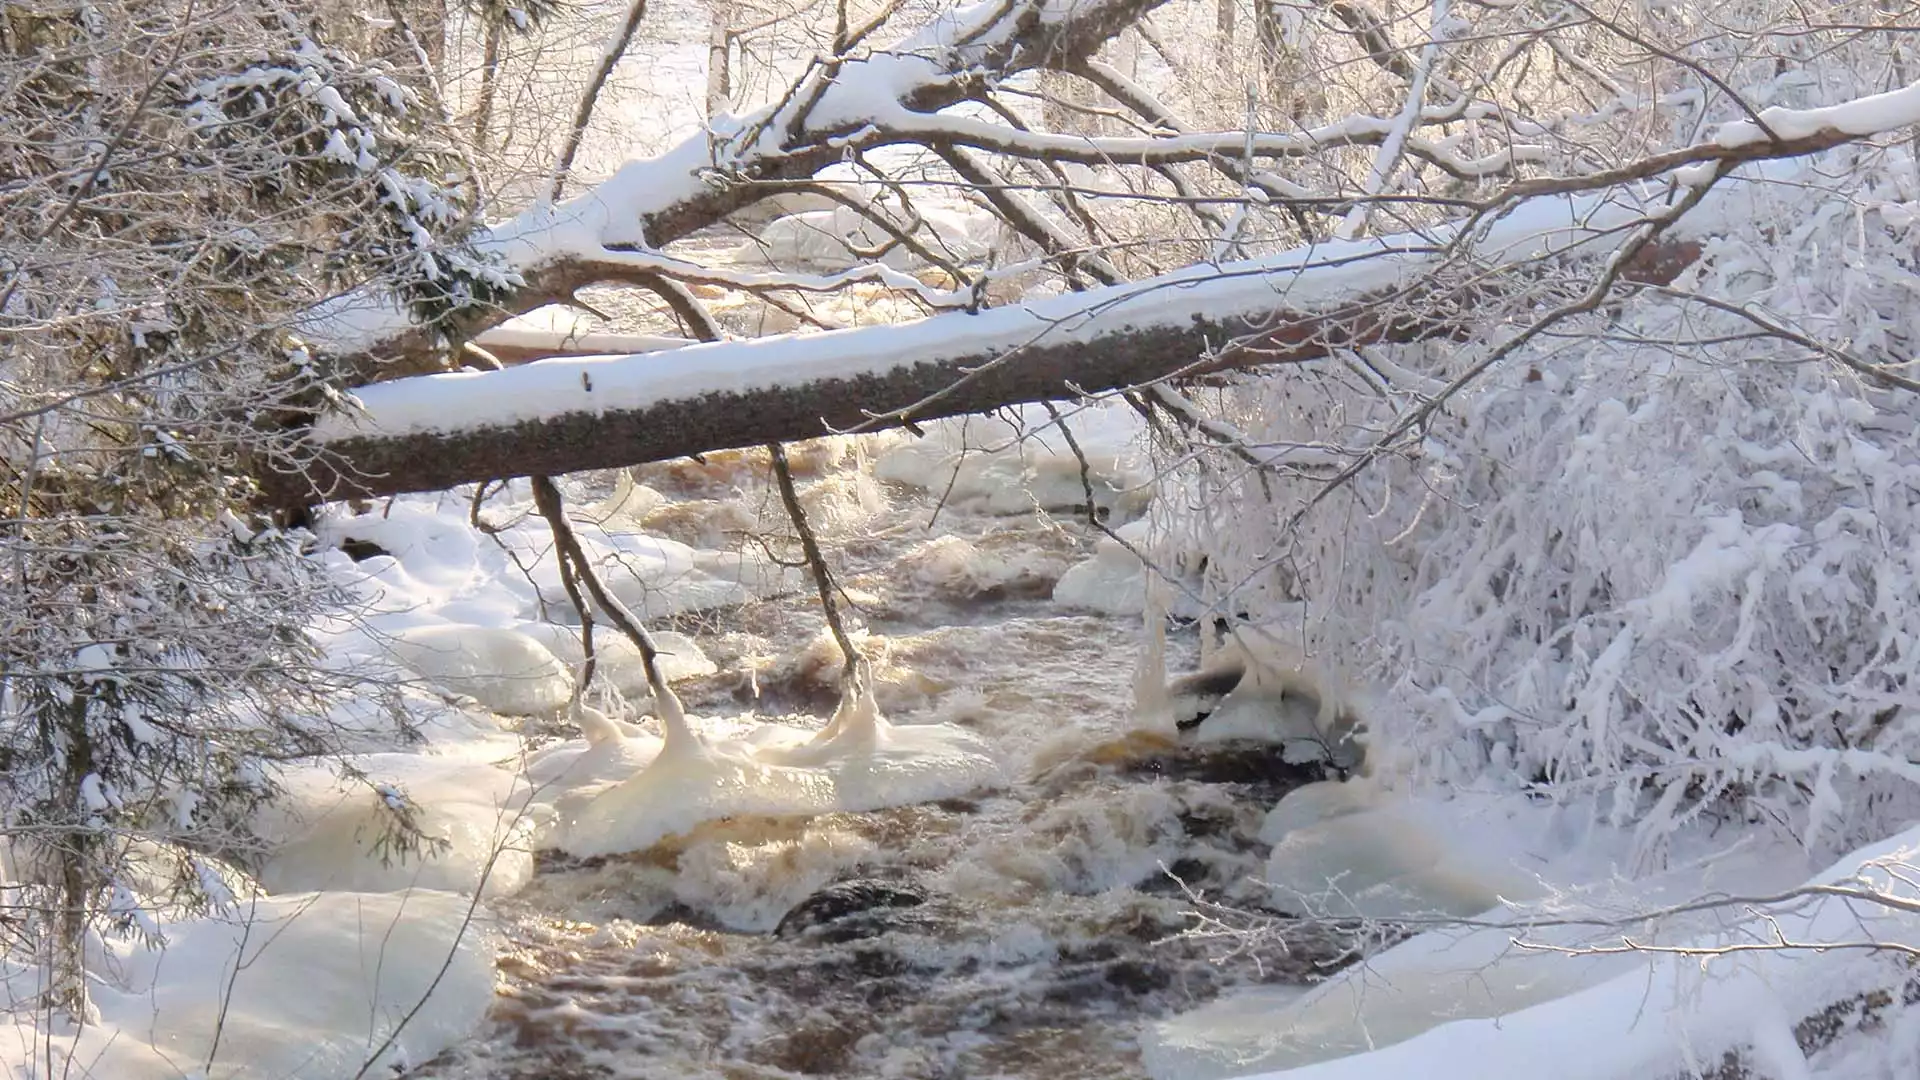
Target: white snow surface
327, 830
1468, 1002
300, 987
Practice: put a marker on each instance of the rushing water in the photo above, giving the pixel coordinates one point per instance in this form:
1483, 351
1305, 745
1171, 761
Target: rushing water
1024, 932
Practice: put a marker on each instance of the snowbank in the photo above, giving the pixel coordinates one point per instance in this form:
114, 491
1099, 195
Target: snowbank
327, 832
1577, 1005
301, 987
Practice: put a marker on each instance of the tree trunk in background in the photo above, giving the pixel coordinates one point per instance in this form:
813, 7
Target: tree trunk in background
719, 64
489, 84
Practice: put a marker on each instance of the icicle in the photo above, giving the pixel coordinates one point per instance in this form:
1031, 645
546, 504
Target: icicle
1151, 706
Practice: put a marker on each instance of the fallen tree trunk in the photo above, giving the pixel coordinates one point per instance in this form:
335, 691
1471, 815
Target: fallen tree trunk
566, 415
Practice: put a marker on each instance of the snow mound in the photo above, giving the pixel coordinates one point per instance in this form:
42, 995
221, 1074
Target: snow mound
322, 981
504, 670
295, 988
1471, 995
327, 830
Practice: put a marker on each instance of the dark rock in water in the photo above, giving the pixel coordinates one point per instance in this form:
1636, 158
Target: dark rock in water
844, 900
1260, 766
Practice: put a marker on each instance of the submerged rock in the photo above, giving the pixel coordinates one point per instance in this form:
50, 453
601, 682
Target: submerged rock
1261, 767
842, 901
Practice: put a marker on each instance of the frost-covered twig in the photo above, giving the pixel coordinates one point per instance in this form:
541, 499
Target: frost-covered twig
1395, 143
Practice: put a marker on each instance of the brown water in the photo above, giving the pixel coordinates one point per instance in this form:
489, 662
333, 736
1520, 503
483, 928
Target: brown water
1027, 932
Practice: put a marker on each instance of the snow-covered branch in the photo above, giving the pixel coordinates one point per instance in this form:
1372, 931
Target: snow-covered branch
557, 416
557, 249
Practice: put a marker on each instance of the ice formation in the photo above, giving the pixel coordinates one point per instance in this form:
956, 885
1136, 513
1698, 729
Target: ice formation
326, 831
858, 761
504, 670
1112, 581
688, 782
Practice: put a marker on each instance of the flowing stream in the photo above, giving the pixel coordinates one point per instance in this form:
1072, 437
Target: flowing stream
1029, 931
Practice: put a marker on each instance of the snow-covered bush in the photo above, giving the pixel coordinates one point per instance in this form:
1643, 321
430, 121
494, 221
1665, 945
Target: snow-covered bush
1665, 556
